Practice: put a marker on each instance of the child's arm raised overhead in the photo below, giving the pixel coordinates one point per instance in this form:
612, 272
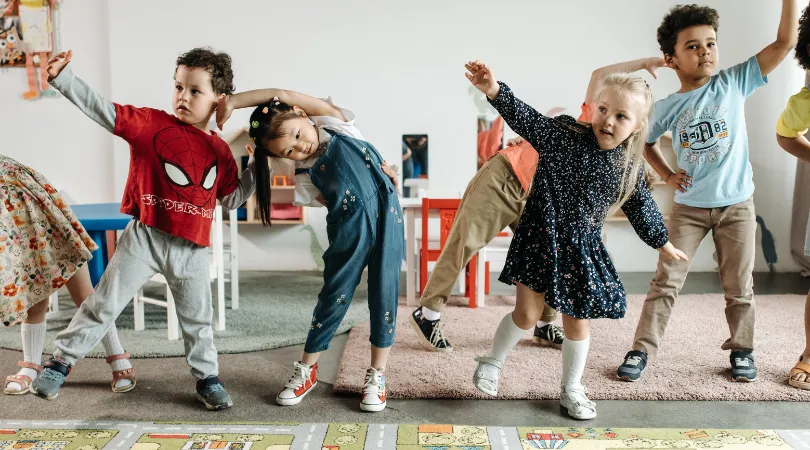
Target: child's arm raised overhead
540, 131
90, 102
786, 37
598, 76
310, 105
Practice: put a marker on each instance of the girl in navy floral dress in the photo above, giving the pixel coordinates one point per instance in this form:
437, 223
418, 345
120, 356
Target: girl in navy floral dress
557, 255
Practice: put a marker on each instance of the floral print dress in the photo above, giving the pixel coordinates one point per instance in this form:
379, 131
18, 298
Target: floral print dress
42, 243
557, 248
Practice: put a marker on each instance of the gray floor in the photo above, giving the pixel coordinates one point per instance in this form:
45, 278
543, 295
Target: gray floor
165, 391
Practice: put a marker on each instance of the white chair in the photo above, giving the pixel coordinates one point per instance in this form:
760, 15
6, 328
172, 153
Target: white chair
231, 251
216, 273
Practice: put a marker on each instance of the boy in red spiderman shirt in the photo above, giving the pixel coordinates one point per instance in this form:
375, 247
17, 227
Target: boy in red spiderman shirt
178, 170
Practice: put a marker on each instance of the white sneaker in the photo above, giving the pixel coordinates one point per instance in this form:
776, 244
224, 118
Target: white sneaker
575, 400
303, 380
373, 391
487, 374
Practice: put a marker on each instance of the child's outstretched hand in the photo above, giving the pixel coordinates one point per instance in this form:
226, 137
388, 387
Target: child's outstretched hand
57, 63
224, 110
654, 63
391, 174
482, 78
514, 141
669, 250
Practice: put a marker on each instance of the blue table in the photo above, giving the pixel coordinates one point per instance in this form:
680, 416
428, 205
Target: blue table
97, 219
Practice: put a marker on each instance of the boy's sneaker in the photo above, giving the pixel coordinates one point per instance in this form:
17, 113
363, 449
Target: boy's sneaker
549, 335
52, 377
303, 380
430, 332
577, 404
742, 366
212, 393
373, 391
634, 363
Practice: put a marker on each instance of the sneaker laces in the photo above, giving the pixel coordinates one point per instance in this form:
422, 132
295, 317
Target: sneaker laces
632, 361
742, 362
436, 335
214, 388
300, 377
51, 375
556, 333
374, 381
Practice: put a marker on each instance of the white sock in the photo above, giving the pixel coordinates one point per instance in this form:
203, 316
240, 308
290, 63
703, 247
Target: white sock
574, 355
541, 324
112, 346
506, 337
33, 340
430, 314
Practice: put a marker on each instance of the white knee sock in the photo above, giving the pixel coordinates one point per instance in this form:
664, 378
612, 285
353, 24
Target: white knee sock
430, 314
33, 340
541, 324
574, 355
506, 337
112, 346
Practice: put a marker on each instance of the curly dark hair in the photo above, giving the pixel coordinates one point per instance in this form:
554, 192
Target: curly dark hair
680, 18
217, 64
802, 51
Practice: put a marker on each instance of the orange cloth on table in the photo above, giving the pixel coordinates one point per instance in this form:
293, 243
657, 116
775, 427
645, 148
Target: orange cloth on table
490, 141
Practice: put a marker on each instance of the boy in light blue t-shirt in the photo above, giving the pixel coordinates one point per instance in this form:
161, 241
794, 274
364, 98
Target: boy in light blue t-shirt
714, 181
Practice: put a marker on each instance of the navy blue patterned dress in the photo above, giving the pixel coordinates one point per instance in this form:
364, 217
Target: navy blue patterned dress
557, 248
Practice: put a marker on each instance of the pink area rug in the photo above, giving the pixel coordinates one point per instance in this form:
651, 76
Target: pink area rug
691, 365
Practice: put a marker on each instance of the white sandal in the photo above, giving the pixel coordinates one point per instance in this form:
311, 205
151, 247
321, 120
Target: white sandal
577, 403
487, 374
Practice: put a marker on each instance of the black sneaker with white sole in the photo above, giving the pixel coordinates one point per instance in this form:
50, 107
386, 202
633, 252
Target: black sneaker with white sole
635, 361
549, 335
430, 332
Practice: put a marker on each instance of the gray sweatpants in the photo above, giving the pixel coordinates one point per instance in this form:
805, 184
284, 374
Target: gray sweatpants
141, 252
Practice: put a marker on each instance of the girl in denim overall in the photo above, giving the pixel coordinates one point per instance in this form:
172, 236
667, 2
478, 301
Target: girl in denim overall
336, 168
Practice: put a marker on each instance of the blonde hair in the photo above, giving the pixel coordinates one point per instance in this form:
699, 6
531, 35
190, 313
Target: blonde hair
631, 87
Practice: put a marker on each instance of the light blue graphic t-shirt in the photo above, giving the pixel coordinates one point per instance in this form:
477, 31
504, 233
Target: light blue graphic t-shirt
709, 136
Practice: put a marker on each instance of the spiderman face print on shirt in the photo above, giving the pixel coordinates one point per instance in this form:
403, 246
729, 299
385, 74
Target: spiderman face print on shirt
189, 164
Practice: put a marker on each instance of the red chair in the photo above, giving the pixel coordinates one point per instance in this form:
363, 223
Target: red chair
447, 214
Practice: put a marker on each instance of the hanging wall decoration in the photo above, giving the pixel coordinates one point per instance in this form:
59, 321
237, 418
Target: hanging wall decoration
27, 40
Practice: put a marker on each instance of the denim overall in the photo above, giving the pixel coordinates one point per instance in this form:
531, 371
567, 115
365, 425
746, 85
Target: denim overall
364, 227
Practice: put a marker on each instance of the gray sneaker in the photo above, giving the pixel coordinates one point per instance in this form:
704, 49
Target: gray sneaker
635, 361
742, 366
212, 393
52, 377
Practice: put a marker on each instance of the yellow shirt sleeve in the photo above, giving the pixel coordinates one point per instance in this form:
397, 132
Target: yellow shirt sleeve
795, 119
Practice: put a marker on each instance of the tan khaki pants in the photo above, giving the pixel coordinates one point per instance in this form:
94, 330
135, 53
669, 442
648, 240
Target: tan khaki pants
494, 199
734, 231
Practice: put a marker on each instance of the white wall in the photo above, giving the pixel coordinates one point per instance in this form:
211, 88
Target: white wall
399, 66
